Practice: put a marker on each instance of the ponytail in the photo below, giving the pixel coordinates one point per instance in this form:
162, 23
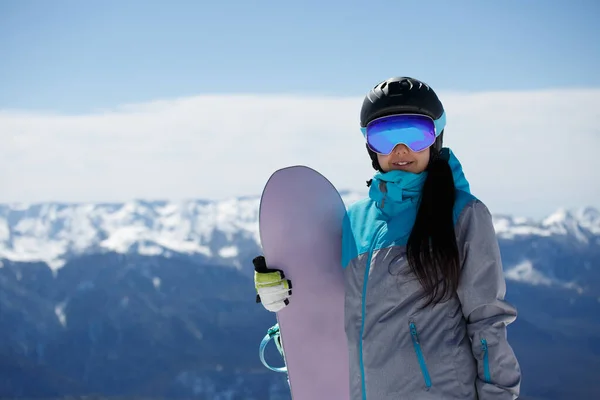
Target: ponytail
432, 251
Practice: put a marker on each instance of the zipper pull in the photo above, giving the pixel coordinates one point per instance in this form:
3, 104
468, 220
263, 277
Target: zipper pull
413, 331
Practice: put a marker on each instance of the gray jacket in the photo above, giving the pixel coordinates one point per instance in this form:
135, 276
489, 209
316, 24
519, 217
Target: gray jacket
455, 350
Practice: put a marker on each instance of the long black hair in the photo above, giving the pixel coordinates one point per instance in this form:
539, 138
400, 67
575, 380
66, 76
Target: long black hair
431, 251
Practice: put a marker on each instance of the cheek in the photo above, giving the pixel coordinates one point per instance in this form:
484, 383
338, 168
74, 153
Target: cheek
383, 162
424, 156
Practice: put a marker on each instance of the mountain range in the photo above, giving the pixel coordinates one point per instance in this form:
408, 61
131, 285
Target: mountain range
155, 298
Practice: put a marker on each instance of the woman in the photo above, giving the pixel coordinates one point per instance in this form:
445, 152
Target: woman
425, 312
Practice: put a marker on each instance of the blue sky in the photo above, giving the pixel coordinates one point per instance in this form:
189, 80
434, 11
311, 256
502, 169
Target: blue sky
76, 56
117, 100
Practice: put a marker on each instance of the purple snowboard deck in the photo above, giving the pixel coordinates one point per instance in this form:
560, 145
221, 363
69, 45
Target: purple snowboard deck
300, 221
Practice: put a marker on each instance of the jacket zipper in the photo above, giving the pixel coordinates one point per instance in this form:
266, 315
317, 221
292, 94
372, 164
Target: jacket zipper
419, 351
486, 361
383, 189
362, 327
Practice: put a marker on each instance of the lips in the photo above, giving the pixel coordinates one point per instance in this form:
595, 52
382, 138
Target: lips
402, 163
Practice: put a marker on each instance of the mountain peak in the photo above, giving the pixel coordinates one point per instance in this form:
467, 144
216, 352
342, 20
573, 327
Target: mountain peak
589, 218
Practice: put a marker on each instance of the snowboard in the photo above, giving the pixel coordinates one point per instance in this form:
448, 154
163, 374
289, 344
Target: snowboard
300, 226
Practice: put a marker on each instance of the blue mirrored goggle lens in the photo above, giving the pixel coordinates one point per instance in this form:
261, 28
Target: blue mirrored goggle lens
415, 131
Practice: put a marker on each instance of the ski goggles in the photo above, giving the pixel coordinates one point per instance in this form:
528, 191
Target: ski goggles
417, 132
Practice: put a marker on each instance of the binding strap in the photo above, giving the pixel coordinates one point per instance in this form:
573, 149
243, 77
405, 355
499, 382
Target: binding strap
273, 332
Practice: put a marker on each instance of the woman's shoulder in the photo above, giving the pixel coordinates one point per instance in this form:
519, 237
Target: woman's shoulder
462, 202
469, 209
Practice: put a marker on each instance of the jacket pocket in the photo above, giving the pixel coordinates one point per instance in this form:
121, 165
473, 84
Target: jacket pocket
417, 345
486, 361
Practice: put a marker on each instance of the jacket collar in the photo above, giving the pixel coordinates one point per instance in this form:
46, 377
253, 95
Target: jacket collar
396, 190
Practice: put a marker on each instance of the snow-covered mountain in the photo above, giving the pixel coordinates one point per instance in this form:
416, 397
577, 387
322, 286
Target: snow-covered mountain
563, 249
581, 224
54, 232
227, 232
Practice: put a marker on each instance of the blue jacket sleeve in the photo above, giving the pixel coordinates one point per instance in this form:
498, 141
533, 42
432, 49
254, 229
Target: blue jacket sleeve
481, 290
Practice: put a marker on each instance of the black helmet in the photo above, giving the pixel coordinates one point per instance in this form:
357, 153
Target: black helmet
401, 95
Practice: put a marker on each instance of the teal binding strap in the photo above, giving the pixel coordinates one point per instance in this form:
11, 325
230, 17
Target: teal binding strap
273, 332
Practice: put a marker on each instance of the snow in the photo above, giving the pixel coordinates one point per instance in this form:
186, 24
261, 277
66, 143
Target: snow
122, 238
580, 224
563, 222
589, 219
4, 230
156, 282
227, 252
20, 206
53, 232
525, 272
59, 310
510, 228
558, 217
150, 250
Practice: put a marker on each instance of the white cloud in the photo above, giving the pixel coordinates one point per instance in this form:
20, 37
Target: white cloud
524, 152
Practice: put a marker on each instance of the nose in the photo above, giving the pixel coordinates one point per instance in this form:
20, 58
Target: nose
400, 148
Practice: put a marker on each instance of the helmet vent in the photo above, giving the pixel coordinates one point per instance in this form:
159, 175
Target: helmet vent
397, 88
407, 83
